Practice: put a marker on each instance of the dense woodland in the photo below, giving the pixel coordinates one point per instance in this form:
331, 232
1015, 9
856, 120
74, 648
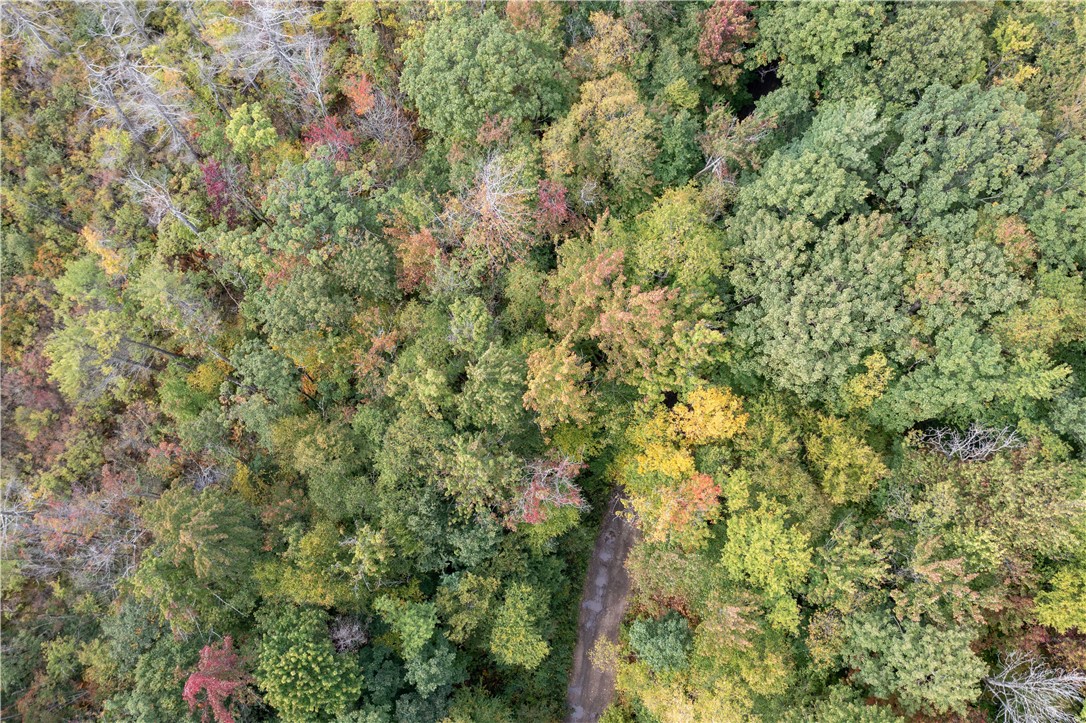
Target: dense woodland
329, 329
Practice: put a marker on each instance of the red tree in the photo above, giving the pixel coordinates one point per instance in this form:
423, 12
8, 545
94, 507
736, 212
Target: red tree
726, 27
550, 485
329, 132
218, 192
359, 90
218, 676
552, 211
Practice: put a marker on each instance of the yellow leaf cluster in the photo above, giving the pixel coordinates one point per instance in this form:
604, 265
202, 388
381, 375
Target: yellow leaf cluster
861, 391
710, 415
112, 262
667, 460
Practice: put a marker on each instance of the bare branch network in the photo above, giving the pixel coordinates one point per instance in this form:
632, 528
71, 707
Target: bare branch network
975, 444
1028, 691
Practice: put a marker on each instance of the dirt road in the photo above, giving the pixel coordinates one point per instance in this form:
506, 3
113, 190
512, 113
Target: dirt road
602, 605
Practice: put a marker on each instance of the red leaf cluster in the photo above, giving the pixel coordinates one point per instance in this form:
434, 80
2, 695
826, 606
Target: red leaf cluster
359, 90
218, 675
552, 210
329, 132
550, 486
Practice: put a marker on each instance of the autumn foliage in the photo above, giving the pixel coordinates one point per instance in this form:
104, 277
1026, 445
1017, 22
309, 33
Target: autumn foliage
218, 677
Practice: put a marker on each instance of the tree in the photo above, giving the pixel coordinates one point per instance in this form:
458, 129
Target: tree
614, 44
848, 468
158, 201
250, 129
156, 680
218, 676
975, 444
549, 488
962, 149
467, 604
302, 676
813, 41
178, 303
928, 43
726, 28
663, 644
607, 137
674, 243
849, 572
556, 386
1060, 222
431, 661
514, 638
842, 705
773, 559
1061, 607
642, 332
1029, 690
269, 39
708, 416
673, 501
99, 347
198, 570
821, 300
493, 393
927, 669
464, 69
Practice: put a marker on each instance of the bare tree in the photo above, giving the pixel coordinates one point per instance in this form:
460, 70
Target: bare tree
493, 214
157, 200
975, 444
267, 41
310, 69
127, 19
92, 537
142, 104
36, 24
162, 105
1028, 691
386, 123
348, 633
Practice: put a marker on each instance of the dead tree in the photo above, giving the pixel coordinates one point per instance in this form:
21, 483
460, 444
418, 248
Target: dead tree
1028, 691
386, 123
348, 633
975, 444
160, 104
158, 201
267, 41
36, 24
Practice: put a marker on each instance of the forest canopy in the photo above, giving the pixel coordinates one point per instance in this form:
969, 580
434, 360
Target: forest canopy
330, 330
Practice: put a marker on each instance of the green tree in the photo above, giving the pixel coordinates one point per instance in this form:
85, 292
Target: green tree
515, 638
607, 137
821, 300
298, 669
846, 465
492, 395
927, 669
663, 644
814, 41
1062, 607
466, 69
961, 149
674, 242
250, 129
774, 559
928, 43
198, 569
